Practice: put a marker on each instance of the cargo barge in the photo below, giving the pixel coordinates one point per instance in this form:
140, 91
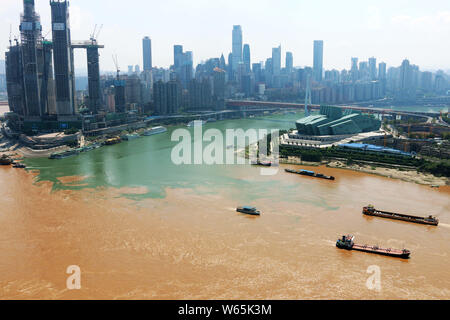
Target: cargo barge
347, 243
371, 211
310, 174
264, 163
64, 154
112, 141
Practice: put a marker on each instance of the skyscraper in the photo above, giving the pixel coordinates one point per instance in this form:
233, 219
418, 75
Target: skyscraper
373, 68
256, 69
230, 65
222, 64
177, 56
318, 60
237, 47
63, 58
289, 62
276, 61
405, 75
382, 71
14, 80
147, 53
94, 79
354, 69
364, 70
246, 58
31, 34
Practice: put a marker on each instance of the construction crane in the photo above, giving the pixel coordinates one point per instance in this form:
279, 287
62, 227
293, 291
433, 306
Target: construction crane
10, 35
95, 33
117, 66
98, 32
92, 38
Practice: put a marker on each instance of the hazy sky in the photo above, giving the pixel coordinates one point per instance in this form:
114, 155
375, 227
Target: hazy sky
389, 30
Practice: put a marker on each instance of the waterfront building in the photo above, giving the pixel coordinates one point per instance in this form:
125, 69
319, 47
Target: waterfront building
167, 97
332, 121
63, 58
147, 53
318, 60
133, 90
14, 80
119, 96
93, 64
31, 35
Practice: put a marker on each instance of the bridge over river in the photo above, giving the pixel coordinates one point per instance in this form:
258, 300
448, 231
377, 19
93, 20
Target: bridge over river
249, 105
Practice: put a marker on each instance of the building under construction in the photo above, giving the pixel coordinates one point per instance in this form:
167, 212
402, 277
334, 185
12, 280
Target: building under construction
40, 74
63, 55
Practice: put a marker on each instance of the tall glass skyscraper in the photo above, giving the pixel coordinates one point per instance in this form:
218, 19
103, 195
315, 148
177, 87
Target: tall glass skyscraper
237, 47
147, 53
276, 61
318, 60
30, 29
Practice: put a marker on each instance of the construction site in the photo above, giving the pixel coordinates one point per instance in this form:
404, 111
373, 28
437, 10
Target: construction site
40, 73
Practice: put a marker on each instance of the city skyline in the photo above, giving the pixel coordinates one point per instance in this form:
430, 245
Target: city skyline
125, 38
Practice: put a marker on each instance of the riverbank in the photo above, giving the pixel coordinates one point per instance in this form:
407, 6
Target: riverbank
404, 174
401, 174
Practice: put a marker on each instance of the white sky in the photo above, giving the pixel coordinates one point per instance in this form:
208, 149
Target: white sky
390, 30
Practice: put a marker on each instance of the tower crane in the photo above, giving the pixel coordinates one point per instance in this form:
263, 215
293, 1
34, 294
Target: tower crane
117, 66
10, 35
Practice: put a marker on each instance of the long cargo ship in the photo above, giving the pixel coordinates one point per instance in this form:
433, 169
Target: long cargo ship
264, 163
371, 211
347, 243
64, 154
310, 174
